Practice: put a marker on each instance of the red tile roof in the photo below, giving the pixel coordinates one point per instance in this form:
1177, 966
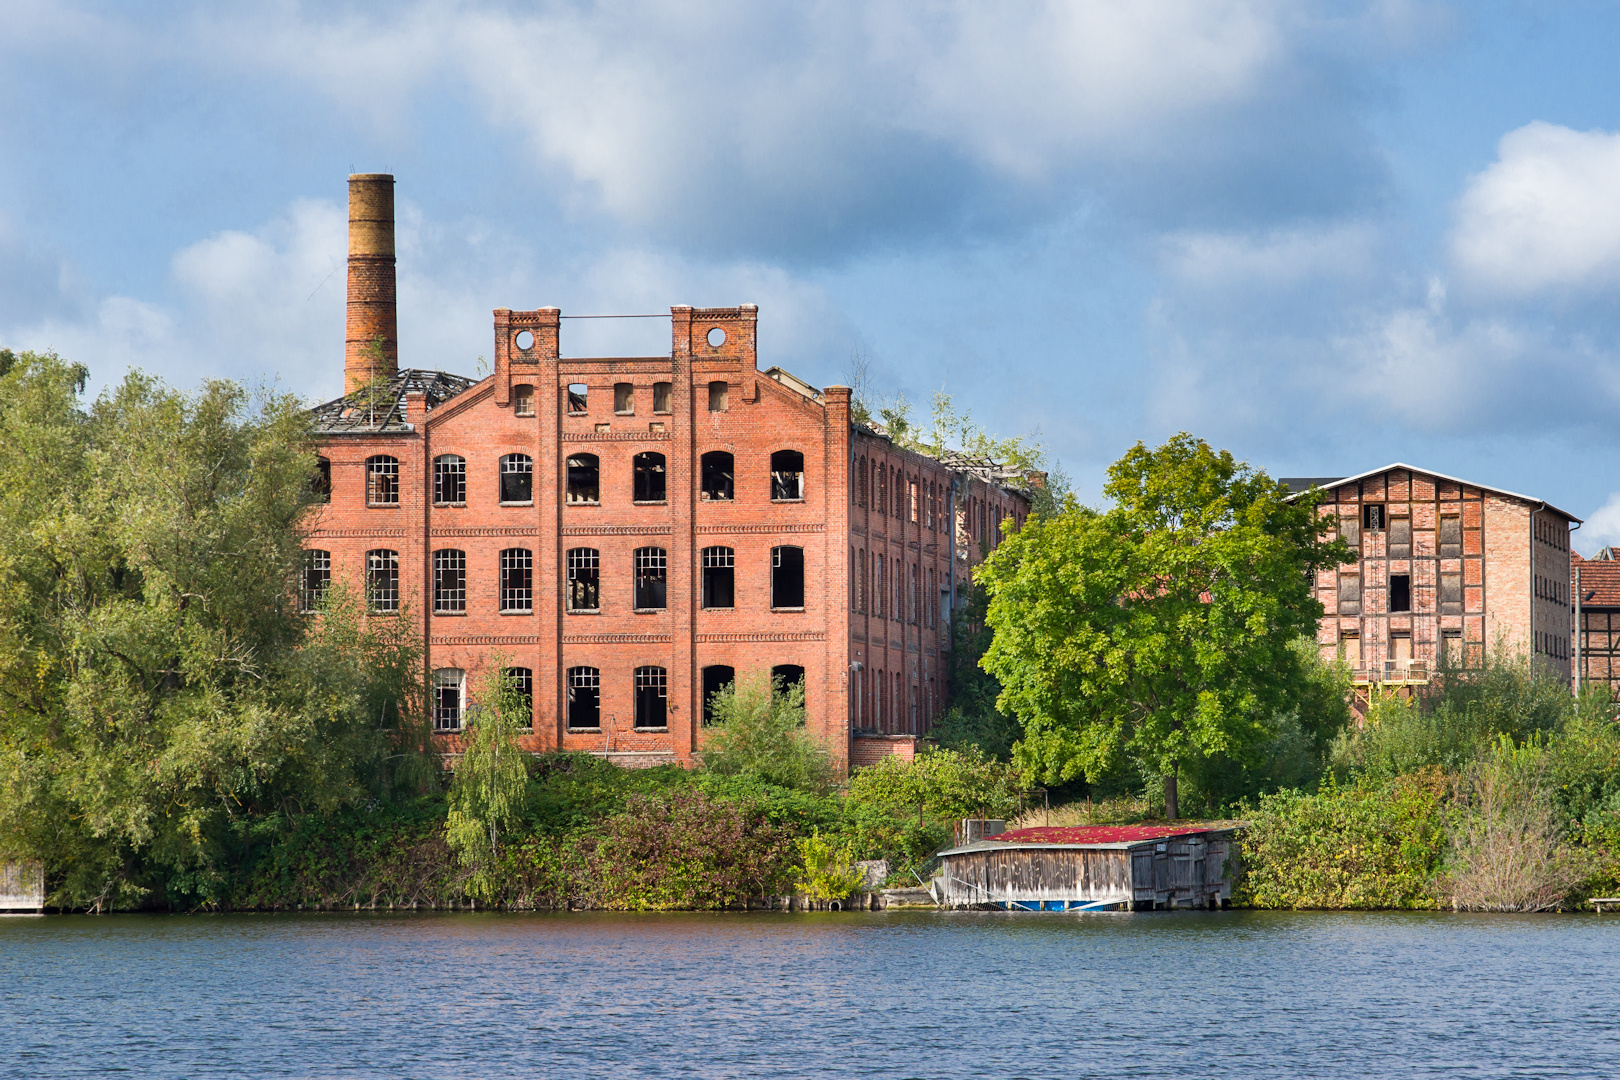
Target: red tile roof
1102, 834
1600, 581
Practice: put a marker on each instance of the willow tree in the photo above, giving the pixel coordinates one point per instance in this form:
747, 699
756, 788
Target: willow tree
1160, 631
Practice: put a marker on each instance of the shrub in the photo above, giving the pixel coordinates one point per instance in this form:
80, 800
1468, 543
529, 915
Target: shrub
826, 871
941, 785
758, 731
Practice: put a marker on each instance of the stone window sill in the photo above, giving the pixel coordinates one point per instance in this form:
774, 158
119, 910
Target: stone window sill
450, 505
800, 499
649, 730
382, 506
732, 608
585, 611
525, 502
450, 614
571, 502
648, 610
787, 609
584, 731
517, 611
650, 502
624, 412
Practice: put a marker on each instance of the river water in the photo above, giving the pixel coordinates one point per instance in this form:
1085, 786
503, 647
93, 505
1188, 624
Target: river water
877, 994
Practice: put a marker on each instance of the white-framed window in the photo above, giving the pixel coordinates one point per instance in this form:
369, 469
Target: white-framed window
449, 698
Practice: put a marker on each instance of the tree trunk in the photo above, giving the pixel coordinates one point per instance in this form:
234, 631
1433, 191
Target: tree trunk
1170, 796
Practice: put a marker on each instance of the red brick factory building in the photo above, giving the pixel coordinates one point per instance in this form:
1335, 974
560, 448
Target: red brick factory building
631, 533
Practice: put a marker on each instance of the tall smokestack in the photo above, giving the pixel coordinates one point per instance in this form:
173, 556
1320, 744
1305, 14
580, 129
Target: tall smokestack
372, 342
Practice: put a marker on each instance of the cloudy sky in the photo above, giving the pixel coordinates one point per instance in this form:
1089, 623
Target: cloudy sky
1325, 236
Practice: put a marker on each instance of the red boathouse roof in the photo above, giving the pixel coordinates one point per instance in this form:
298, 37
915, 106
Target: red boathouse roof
1103, 834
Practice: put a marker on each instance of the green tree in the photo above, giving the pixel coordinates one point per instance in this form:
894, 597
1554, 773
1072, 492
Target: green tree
490, 782
1160, 631
940, 785
758, 731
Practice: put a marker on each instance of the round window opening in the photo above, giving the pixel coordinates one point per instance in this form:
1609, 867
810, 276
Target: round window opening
717, 338
525, 340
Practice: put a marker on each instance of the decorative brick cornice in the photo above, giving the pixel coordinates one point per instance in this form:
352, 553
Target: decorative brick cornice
812, 528
503, 530
360, 532
615, 530
805, 635
617, 436
616, 639
485, 639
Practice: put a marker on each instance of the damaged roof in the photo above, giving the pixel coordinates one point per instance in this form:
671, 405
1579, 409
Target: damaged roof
1326, 483
360, 414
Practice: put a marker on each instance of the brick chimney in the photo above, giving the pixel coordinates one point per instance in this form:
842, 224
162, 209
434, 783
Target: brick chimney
371, 345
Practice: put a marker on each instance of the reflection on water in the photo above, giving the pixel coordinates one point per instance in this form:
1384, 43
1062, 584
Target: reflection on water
855, 995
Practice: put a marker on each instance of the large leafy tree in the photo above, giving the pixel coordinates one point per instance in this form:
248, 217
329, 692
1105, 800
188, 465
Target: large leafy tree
1159, 632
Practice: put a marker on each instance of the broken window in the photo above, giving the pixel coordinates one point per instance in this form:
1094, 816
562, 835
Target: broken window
881, 504
719, 577
1372, 517
449, 581
320, 484
584, 698
719, 396
897, 489
584, 479
521, 681
717, 475
382, 580
1400, 538
787, 577
784, 677
1349, 594
652, 697
449, 693
382, 481
316, 577
647, 472
624, 398
715, 679
523, 400
584, 579
1451, 651
913, 501
652, 578
879, 586
1451, 594
787, 475
860, 483
449, 480
1400, 592
578, 397
517, 478
663, 397
1451, 537
517, 580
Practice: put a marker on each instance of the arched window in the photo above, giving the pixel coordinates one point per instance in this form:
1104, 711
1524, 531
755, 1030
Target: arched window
784, 677
517, 581
787, 476
584, 479
652, 578
716, 678
449, 480
320, 484
719, 396
860, 483
449, 581
787, 577
652, 697
522, 400
382, 481
314, 580
647, 471
584, 698
520, 680
717, 466
382, 580
449, 698
719, 577
584, 579
517, 478
881, 502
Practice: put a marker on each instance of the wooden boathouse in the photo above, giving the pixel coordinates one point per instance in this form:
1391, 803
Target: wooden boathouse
1093, 868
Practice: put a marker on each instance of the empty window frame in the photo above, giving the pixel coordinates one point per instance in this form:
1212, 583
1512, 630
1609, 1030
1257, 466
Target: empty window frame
520, 682
316, 577
880, 586
523, 400
1349, 594
517, 580
382, 481
584, 479
449, 480
719, 577
584, 579
787, 577
652, 578
517, 479
584, 698
784, 677
449, 698
663, 397
860, 483
1372, 517
898, 490
1451, 594
880, 502
1451, 650
1350, 529
913, 500
624, 398
648, 478
719, 396
717, 468
449, 581
1451, 537
1350, 648
1400, 592
1400, 537
578, 398
320, 482
652, 697
716, 678
382, 580
787, 476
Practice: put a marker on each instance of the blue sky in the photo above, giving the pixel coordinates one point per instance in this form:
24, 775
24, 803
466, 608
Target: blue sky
1324, 236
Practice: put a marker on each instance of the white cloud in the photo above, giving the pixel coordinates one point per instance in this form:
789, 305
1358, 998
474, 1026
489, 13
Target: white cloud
1602, 527
1282, 258
1544, 214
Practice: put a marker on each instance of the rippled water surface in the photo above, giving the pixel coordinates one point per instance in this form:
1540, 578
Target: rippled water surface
855, 995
